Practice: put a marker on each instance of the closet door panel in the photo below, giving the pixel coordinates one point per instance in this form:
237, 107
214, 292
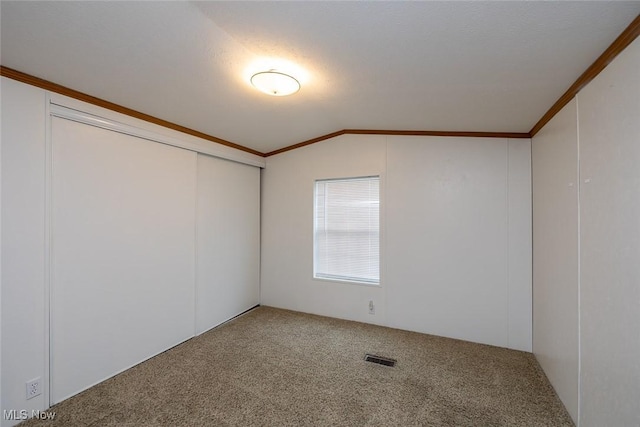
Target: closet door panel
228, 223
123, 252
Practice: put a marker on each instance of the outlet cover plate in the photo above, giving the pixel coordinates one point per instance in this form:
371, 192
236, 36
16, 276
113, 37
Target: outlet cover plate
34, 388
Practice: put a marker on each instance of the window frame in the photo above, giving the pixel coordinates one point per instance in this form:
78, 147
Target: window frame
339, 279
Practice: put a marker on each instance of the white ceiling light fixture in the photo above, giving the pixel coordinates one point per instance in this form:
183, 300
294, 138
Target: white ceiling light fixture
275, 83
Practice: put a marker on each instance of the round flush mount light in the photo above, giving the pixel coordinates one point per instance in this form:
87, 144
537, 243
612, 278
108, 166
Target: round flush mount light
275, 83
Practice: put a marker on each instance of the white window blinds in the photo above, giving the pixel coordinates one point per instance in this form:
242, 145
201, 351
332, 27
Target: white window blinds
347, 229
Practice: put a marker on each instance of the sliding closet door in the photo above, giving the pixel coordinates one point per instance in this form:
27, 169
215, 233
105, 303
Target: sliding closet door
123, 252
228, 240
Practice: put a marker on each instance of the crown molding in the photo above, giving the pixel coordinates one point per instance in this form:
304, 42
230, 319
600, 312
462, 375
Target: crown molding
71, 93
400, 132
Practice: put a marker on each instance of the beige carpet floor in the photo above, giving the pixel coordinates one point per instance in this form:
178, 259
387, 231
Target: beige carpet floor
273, 367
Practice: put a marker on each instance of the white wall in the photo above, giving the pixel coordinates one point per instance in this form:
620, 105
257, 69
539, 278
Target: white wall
23, 234
555, 253
117, 174
0, 253
446, 208
519, 247
609, 129
587, 300
458, 217
228, 240
287, 228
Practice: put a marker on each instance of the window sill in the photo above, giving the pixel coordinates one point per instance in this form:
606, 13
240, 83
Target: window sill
348, 282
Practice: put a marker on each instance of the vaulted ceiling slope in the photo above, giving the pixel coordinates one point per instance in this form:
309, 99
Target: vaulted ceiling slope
442, 66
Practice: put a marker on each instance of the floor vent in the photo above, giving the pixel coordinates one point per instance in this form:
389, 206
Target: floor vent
380, 360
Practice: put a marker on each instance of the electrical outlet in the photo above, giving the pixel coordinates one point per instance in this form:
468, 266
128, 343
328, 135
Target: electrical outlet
372, 308
34, 388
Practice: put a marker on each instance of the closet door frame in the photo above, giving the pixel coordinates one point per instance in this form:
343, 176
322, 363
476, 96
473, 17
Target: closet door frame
61, 106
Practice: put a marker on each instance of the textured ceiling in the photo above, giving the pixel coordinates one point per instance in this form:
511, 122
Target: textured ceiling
451, 66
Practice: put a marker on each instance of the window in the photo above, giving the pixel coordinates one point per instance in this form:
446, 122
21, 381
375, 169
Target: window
347, 229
